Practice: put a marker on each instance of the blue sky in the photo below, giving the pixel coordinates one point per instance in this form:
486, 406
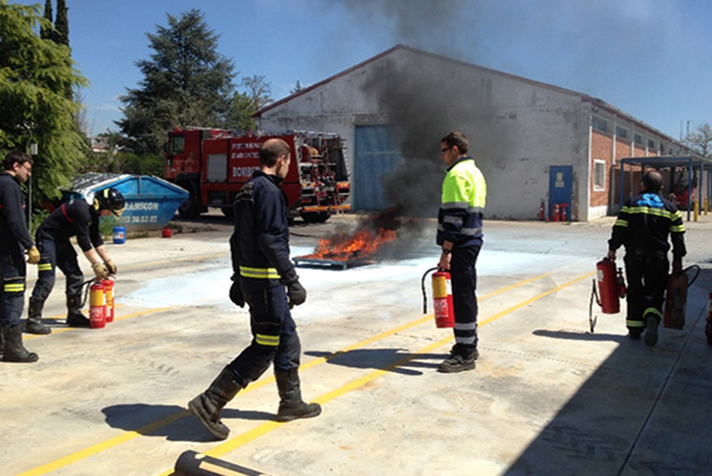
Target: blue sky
647, 57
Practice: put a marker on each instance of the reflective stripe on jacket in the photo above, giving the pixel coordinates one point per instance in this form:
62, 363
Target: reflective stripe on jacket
260, 243
464, 195
645, 222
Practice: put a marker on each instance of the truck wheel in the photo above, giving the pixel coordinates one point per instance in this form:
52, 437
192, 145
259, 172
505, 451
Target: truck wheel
315, 217
189, 209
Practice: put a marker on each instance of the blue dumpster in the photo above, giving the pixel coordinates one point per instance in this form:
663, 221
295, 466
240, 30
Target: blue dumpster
151, 202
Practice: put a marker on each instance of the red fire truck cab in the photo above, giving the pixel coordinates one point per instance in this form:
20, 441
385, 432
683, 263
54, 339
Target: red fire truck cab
213, 164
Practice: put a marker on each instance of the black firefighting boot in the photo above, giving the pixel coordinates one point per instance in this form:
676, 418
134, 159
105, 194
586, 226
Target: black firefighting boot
651, 330
291, 405
34, 319
207, 406
14, 350
75, 318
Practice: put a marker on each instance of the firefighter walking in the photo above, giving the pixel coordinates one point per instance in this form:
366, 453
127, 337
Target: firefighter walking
643, 226
15, 239
263, 270
79, 218
464, 193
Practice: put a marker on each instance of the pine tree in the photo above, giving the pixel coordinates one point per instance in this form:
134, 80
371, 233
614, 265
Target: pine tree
46, 33
61, 24
185, 83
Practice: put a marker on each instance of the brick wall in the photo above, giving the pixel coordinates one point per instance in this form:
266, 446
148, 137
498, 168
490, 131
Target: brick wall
601, 149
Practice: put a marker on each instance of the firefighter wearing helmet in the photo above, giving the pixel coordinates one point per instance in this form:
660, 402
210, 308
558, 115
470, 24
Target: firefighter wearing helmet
77, 217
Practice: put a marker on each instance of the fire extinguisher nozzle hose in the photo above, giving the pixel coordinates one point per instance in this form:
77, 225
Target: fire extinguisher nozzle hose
422, 288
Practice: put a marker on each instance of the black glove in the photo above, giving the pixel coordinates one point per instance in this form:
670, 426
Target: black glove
236, 294
677, 266
297, 294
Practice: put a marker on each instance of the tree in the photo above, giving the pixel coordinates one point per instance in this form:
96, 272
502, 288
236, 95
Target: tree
700, 140
47, 33
257, 93
185, 83
61, 24
34, 75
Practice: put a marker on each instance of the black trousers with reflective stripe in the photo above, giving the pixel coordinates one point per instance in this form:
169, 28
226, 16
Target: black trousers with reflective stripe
463, 273
274, 335
57, 254
647, 275
12, 292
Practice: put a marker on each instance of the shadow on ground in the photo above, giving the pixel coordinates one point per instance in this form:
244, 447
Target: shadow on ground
169, 421
392, 360
640, 413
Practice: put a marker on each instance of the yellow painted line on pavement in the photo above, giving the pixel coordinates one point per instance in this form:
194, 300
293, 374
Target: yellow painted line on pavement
267, 427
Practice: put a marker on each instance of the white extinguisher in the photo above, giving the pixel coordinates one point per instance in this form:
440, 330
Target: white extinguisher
442, 298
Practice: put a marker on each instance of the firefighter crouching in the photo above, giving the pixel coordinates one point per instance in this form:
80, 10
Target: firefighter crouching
644, 223
74, 218
263, 269
14, 240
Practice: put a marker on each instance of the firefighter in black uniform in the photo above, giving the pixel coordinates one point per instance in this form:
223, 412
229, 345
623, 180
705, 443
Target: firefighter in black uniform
643, 226
14, 240
74, 218
263, 269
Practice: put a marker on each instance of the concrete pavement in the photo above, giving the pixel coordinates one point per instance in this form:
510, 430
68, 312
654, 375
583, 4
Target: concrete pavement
547, 397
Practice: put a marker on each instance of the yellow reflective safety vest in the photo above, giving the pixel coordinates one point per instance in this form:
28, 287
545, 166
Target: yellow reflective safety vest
464, 195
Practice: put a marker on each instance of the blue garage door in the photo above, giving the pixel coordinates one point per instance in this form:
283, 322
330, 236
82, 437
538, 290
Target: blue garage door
375, 156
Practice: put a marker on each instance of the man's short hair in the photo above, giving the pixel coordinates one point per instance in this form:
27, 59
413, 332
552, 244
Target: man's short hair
272, 150
457, 139
16, 156
653, 181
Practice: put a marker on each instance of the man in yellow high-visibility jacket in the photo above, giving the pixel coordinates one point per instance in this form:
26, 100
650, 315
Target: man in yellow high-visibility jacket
463, 200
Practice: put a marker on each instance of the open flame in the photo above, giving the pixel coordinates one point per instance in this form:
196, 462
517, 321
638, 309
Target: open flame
362, 244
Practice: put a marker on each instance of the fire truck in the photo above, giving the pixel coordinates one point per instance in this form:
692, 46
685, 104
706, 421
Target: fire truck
213, 164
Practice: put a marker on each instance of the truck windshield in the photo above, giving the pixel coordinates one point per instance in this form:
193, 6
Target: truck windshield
177, 145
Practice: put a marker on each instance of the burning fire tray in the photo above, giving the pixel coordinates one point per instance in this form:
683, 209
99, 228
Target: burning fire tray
304, 261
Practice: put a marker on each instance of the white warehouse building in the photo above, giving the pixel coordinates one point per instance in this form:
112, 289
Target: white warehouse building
534, 142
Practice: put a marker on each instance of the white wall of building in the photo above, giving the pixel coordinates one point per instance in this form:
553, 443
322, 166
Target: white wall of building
517, 128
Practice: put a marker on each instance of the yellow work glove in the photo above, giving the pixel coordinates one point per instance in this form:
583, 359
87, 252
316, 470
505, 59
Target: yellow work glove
100, 270
33, 255
110, 266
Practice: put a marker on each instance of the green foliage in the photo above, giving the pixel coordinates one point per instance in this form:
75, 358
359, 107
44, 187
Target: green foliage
107, 224
244, 104
45, 32
35, 75
61, 24
185, 83
38, 216
123, 162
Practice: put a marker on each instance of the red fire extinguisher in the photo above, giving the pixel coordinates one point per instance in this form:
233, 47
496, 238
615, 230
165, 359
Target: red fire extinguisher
97, 305
608, 288
676, 297
442, 298
109, 292
611, 286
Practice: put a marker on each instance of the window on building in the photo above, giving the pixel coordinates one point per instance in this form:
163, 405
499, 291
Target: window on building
651, 144
599, 124
638, 139
621, 132
599, 174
